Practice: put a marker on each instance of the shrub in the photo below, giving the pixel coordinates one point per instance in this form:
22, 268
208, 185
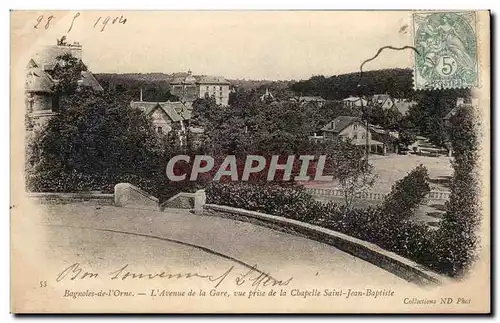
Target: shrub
413, 240
407, 194
457, 234
283, 200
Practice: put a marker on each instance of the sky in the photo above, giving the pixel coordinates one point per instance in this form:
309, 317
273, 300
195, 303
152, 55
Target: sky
274, 45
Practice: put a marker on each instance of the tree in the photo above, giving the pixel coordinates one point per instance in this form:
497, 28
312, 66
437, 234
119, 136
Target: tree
395, 82
407, 194
458, 229
94, 143
406, 138
67, 73
352, 170
427, 116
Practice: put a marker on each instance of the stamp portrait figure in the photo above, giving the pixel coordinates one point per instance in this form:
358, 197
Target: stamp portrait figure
446, 50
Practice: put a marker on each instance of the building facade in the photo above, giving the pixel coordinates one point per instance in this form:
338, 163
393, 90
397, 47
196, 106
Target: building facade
189, 88
165, 114
383, 100
353, 129
354, 101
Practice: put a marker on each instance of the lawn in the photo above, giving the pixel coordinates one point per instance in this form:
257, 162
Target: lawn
392, 168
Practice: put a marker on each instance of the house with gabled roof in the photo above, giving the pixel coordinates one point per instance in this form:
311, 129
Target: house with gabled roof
165, 114
303, 100
354, 101
42, 102
383, 100
354, 130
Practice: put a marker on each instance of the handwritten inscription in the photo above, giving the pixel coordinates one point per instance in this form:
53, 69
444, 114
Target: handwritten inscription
40, 20
100, 23
251, 277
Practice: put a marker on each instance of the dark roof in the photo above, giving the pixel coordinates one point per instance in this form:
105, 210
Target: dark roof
37, 80
46, 60
169, 108
212, 80
187, 78
340, 123
146, 107
380, 98
46, 57
88, 79
176, 111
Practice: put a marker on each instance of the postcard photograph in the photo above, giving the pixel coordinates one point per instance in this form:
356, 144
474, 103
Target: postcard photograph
250, 161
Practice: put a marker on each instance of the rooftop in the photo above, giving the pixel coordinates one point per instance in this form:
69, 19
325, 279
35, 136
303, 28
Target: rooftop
37, 80
340, 123
188, 78
176, 111
46, 57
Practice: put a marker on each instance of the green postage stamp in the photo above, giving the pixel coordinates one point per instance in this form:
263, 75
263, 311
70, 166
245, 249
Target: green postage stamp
446, 47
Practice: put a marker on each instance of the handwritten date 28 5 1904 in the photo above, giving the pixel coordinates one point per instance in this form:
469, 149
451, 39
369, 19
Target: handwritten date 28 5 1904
99, 23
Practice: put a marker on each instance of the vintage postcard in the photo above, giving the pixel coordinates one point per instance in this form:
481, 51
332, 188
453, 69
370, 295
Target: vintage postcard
250, 161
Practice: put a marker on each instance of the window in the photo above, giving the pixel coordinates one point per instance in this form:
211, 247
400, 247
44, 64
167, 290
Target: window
220, 88
354, 136
208, 88
159, 130
355, 126
363, 135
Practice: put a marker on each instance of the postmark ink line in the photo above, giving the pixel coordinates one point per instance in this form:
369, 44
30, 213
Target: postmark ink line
380, 50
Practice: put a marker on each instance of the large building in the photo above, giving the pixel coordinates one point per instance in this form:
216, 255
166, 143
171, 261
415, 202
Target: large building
189, 88
41, 101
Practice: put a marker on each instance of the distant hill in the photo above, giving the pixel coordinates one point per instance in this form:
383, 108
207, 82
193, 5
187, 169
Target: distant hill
141, 77
397, 82
249, 84
155, 86
163, 77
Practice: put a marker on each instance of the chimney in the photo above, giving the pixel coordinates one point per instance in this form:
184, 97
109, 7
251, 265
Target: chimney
140, 98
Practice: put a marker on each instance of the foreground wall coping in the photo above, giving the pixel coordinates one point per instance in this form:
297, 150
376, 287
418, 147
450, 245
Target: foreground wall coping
398, 265
137, 190
70, 195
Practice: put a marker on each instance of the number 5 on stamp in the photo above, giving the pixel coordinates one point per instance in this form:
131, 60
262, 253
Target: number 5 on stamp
446, 50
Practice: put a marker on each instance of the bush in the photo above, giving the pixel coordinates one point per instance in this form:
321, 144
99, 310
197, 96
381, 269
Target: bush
407, 194
52, 181
412, 240
288, 201
457, 234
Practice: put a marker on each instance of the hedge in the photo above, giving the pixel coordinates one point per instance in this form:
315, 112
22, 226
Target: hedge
415, 241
